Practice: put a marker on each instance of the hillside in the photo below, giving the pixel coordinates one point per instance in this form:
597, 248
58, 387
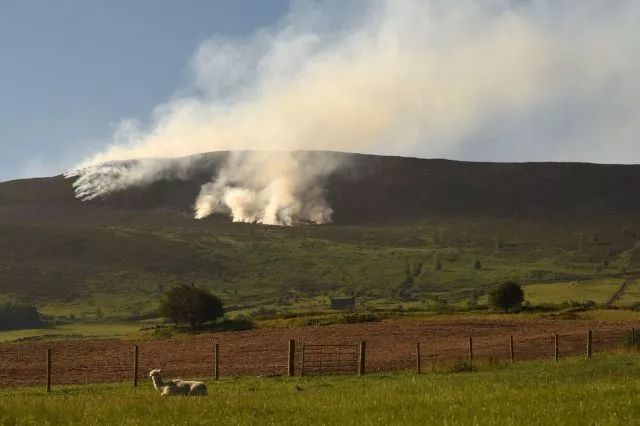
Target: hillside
389, 190
395, 220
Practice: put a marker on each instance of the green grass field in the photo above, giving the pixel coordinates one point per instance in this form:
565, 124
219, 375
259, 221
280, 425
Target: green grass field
631, 295
598, 290
73, 330
603, 390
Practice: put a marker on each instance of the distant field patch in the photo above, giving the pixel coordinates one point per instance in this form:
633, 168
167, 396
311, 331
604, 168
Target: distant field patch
598, 290
631, 294
69, 330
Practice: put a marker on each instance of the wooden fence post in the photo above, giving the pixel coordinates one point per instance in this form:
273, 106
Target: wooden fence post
556, 350
135, 365
470, 350
292, 358
302, 361
49, 370
513, 354
362, 360
418, 357
589, 344
216, 361
633, 338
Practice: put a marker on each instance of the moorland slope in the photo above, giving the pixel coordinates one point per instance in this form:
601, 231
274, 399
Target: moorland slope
405, 231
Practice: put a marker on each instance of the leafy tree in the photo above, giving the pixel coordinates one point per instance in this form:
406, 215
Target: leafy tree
506, 295
191, 305
477, 265
15, 316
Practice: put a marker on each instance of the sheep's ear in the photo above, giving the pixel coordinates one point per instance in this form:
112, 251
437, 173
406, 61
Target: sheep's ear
159, 371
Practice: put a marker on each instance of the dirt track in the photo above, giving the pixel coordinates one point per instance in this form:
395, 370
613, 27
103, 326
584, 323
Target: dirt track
390, 346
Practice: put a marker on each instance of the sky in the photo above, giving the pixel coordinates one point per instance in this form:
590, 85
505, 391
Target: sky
71, 70
84, 83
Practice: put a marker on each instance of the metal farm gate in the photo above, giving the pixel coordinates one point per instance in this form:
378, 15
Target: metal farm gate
329, 359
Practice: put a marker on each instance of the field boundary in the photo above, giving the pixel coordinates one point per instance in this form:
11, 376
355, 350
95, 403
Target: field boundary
623, 287
470, 351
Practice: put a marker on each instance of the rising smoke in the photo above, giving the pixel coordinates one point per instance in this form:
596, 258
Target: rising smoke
429, 78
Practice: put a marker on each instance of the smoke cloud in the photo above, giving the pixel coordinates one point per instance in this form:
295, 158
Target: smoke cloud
492, 80
285, 190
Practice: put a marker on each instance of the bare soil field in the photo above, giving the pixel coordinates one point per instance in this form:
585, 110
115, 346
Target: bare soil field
390, 347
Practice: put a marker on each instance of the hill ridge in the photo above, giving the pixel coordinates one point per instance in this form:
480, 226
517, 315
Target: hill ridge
390, 189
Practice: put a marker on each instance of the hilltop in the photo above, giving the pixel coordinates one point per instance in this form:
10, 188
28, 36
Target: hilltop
406, 232
371, 189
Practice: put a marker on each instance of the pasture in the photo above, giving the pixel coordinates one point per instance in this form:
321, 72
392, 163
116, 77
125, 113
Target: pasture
597, 290
574, 391
74, 330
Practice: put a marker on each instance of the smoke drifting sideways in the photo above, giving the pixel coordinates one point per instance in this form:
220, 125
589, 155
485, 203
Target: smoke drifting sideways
398, 77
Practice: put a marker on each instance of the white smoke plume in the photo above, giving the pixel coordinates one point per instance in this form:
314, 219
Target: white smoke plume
283, 192
493, 79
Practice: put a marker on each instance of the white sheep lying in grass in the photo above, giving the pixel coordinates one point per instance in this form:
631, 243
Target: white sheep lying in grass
176, 386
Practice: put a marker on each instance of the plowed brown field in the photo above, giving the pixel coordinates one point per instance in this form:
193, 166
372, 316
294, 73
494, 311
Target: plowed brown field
390, 347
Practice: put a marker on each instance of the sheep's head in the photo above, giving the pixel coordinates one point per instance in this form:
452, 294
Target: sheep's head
154, 373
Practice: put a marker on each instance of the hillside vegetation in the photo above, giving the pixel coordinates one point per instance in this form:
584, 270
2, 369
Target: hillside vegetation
408, 232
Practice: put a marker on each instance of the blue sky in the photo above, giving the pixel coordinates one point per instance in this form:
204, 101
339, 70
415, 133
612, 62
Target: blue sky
86, 82
70, 70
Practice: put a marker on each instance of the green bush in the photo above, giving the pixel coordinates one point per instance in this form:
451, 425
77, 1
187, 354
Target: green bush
264, 312
236, 324
191, 305
462, 367
357, 318
160, 332
506, 296
15, 316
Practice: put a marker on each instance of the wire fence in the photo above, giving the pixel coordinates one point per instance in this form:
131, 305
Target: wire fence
320, 350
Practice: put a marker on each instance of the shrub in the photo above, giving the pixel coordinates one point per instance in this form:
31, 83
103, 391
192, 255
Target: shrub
471, 304
191, 305
506, 296
360, 318
235, 324
439, 304
462, 367
162, 333
477, 265
15, 316
264, 312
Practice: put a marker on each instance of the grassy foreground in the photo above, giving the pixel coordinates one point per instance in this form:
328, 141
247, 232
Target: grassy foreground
574, 391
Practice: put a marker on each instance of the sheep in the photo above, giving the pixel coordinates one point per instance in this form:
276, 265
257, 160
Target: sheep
176, 386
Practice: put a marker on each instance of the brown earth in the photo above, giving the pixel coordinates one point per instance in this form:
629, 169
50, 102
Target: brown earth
390, 347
